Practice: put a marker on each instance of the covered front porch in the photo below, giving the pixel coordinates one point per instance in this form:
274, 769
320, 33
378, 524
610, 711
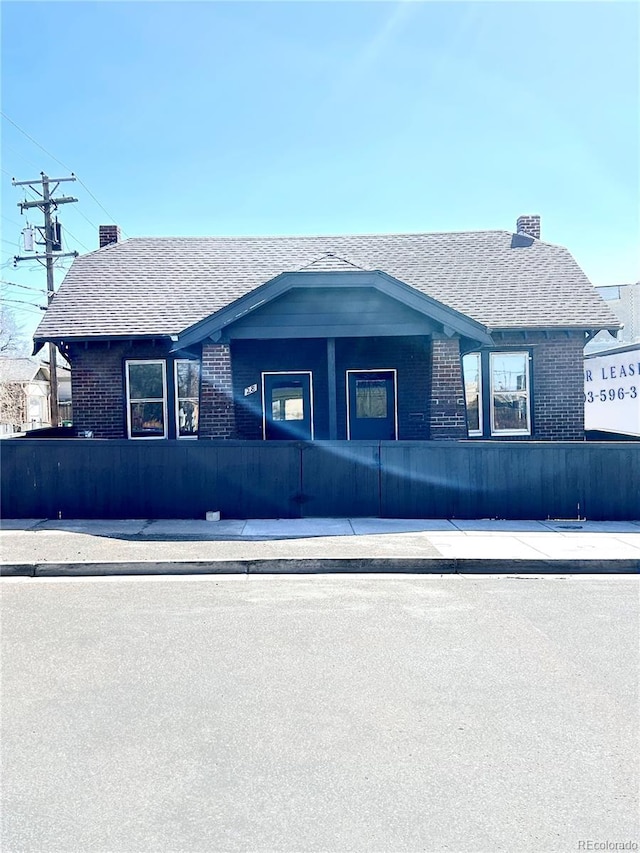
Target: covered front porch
340, 388
333, 355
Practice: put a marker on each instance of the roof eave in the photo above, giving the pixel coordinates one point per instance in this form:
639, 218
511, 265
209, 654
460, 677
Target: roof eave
60, 340
565, 327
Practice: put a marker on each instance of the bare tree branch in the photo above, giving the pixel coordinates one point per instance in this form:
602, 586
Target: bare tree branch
12, 339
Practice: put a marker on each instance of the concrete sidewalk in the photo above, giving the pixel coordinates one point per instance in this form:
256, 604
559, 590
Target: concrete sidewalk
41, 547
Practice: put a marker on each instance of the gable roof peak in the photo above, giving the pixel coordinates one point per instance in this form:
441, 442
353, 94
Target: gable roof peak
330, 261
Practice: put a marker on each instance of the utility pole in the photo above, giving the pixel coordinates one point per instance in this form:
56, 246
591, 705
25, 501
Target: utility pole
51, 234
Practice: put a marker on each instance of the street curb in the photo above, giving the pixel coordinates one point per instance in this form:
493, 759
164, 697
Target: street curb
360, 565
568, 565
350, 565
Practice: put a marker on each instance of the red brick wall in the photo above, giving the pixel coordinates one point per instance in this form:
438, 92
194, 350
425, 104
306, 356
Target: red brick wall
97, 385
557, 379
447, 414
98, 392
217, 416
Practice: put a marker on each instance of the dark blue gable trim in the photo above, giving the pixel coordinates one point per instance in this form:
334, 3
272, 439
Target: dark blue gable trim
453, 322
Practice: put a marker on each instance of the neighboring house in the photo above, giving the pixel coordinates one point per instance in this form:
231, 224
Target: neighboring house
402, 336
612, 369
25, 394
624, 301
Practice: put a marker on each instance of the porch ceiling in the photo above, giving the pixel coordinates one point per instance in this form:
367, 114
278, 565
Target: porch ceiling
332, 304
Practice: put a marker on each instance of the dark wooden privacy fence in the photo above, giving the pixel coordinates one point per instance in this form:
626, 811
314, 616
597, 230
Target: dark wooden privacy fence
85, 478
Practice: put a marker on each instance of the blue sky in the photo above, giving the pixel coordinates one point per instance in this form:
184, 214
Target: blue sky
327, 117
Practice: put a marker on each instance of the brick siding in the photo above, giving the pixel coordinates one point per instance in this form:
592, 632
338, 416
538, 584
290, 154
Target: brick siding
428, 371
97, 385
557, 373
447, 413
217, 414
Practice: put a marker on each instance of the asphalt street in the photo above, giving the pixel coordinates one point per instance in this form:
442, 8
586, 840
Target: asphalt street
320, 713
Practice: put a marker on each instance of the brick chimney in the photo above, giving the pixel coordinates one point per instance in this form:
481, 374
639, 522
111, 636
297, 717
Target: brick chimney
108, 234
529, 224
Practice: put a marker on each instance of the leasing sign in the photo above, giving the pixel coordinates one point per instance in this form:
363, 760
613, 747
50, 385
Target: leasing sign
612, 392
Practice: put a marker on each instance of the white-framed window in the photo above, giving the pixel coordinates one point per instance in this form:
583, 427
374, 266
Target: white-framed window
506, 374
187, 403
472, 373
146, 389
510, 395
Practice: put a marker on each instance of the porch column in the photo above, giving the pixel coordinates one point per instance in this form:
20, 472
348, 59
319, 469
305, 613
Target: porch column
447, 419
217, 413
331, 377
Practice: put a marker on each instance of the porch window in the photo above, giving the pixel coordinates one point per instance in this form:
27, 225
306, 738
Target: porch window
510, 410
287, 410
371, 398
187, 385
287, 403
146, 387
506, 410
472, 371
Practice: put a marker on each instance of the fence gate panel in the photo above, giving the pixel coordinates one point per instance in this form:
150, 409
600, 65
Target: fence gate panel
340, 479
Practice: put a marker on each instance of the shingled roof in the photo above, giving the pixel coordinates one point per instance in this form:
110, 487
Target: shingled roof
21, 369
161, 285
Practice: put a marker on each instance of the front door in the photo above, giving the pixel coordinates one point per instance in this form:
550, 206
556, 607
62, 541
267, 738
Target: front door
371, 409
288, 404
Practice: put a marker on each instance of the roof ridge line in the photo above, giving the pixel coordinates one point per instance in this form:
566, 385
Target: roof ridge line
343, 235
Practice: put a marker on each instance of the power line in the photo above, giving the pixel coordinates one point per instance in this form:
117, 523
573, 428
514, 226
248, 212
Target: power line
86, 218
23, 286
53, 245
64, 166
76, 239
112, 218
66, 231
17, 245
20, 155
22, 302
24, 309
41, 147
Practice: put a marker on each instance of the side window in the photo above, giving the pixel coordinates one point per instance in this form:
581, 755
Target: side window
472, 373
146, 389
506, 376
187, 385
510, 397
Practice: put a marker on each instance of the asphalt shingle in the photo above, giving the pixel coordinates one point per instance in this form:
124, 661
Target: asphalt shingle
19, 369
162, 285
